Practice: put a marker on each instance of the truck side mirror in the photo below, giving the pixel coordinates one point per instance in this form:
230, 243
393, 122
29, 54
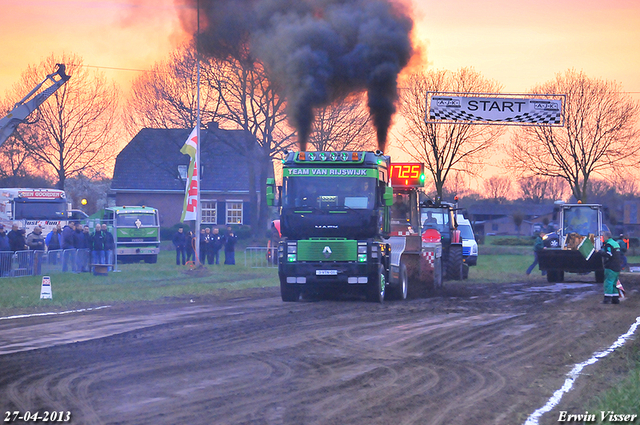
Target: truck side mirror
388, 196
271, 192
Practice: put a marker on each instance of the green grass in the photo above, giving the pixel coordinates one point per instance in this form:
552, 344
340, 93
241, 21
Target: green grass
134, 282
623, 398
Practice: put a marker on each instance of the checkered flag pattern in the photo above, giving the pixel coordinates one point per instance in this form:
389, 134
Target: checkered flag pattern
538, 117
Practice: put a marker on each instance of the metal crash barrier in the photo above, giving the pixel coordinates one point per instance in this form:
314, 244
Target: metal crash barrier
258, 256
35, 263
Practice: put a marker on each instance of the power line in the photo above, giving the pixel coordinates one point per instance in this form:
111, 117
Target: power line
119, 69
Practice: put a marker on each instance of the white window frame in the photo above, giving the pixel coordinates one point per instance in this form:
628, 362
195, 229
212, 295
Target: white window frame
214, 203
234, 211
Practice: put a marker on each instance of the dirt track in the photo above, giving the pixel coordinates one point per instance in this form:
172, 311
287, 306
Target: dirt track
483, 354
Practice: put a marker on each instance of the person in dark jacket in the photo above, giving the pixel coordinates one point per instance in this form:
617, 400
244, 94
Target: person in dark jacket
81, 244
205, 238
216, 245
538, 246
67, 238
180, 243
97, 246
5, 253
612, 266
109, 245
17, 241
230, 240
190, 248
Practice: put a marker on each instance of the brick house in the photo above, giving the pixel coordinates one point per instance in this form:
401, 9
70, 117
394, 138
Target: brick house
152, 171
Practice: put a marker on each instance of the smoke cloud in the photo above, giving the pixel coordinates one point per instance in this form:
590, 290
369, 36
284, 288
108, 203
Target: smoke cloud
315, 50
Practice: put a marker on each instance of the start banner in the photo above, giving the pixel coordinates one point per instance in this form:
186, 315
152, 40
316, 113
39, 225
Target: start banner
505, 110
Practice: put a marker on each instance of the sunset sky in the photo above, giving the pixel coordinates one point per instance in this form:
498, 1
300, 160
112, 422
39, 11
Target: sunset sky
517, 43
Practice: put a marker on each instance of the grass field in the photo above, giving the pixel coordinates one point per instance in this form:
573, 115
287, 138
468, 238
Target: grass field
134, 282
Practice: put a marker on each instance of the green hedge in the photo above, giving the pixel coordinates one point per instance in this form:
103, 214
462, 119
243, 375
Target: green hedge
512, 240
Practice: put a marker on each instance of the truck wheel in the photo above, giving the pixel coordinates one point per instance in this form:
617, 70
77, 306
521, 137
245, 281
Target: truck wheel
376, 287
599, 276
151, 259
289, 292
554, 276
454, 263
399, 291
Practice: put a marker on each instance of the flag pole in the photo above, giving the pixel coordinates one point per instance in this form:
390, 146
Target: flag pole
198, 207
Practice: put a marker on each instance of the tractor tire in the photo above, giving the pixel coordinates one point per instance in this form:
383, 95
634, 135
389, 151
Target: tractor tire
399, 291
376, 288
454, 263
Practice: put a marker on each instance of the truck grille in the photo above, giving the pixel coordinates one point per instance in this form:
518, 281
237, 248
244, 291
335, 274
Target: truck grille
327, 250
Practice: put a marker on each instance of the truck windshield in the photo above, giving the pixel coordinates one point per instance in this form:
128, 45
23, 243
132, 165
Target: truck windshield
434, 218
329, 193
136, 220
581, 220
40, 209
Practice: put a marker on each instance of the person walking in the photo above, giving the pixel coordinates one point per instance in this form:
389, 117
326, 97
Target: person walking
109, 246
180, 243
610, 252
230, 240
538, 246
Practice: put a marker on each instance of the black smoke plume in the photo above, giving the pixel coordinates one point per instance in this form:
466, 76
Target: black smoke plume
315, 50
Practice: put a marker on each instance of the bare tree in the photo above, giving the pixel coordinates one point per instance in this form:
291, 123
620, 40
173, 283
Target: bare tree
600, 133
74, 131
558, 188
533, 188
251, 102
166, 96
497, 188
445, 148
343, 125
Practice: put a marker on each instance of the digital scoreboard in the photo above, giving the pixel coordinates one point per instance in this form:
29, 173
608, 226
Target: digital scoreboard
407, 174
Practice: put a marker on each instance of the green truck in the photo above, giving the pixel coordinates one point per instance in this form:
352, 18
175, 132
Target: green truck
340, 232
136, 230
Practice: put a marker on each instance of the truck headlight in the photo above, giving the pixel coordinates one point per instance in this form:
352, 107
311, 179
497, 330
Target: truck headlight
291, 258
362, 258
362, 248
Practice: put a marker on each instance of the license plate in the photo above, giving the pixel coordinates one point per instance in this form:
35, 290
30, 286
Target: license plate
137, 240
326, 272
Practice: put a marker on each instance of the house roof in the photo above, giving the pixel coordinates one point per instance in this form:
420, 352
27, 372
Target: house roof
151, 160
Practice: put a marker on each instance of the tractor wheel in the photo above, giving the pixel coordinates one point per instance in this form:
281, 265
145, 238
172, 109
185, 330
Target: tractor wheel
454, 263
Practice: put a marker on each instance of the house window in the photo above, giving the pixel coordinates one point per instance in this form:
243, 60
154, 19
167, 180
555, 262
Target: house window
183, 172
234, 212
494, 227
209, 212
